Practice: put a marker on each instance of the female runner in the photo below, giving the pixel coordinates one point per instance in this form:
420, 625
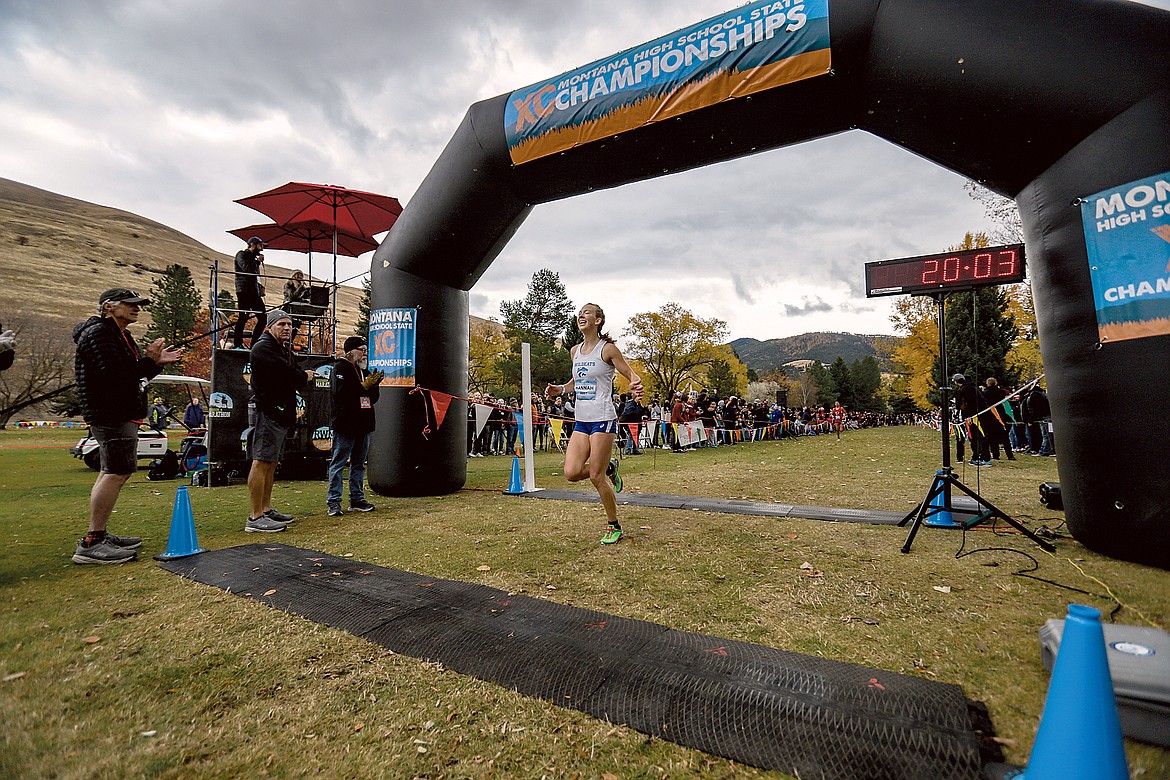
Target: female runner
588, 455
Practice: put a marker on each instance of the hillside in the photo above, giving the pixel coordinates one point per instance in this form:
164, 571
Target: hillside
767, 356
59, 253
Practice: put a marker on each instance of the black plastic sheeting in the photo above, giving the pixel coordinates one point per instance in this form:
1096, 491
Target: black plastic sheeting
769, 708
729, 506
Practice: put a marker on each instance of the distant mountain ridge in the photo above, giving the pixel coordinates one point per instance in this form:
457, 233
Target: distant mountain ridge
767, 356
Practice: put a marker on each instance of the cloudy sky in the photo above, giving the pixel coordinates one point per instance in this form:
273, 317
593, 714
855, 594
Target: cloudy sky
174, 108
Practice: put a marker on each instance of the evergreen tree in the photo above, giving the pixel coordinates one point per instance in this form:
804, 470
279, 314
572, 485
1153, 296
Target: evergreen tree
361, 327
542, 313
824, 390
866, 379
66, 404
572, 335
539, 318
720, 377
174, 305
980, 333
550, 363
843, 382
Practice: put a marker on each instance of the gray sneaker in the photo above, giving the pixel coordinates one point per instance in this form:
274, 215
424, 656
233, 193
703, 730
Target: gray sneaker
361, 506
279, 517
102, 552
125, 542
335, 510
264, 525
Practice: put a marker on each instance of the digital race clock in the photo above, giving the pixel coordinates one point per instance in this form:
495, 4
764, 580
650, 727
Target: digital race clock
961, 270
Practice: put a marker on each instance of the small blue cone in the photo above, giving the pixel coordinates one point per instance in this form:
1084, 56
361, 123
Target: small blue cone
182, 540
515, 488
939, 517
1080, 733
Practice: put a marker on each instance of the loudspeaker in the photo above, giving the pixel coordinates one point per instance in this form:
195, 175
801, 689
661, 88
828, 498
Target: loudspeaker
782, 398
1050, 495
319, 296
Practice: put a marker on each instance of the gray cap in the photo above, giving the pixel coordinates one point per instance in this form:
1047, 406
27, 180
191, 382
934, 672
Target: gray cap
278, 314
958, 378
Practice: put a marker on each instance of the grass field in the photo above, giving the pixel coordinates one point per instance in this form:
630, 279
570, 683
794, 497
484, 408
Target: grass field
129, 671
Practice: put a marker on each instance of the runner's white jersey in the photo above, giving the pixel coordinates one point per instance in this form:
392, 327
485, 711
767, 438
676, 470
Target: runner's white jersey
593, 384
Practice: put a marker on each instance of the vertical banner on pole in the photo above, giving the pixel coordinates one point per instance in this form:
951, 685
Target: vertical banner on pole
526, 403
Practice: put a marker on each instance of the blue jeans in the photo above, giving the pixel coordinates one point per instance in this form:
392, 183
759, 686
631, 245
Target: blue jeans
354, 449
1046, 445
631, 438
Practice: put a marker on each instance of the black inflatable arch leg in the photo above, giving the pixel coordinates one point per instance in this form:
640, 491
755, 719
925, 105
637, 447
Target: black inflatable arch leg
1110, 403
411, 463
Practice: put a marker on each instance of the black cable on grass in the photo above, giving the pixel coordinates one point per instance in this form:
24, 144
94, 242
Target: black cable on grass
1027, 572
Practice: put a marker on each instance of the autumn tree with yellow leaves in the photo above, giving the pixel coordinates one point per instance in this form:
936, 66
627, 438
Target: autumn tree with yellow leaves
672, 347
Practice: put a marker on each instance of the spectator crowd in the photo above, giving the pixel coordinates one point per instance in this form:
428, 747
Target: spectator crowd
680, 423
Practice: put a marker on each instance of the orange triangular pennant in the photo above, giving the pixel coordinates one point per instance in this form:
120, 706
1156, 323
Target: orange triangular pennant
440, 401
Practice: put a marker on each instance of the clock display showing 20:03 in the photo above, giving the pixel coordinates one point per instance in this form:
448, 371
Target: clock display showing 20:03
945, 272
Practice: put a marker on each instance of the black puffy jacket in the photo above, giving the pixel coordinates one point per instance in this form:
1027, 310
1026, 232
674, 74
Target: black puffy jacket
111, 373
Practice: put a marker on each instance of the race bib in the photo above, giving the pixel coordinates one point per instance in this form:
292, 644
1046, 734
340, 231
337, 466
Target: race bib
366, 403
586, 389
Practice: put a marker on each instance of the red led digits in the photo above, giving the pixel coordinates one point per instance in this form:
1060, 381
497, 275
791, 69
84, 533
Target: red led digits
1007, 265
951, 269
986, 272
930, 274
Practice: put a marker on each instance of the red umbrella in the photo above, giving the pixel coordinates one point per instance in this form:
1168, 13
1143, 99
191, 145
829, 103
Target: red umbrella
349, 211
307, 237
343, 210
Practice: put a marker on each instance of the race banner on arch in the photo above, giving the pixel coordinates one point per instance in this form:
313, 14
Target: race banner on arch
759, 46
392, 341
1127, 235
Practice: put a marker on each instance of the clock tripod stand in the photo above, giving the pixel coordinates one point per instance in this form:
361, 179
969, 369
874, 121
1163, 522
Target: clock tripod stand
938, 497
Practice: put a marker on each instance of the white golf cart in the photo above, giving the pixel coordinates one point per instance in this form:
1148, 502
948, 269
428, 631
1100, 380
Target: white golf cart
152, 444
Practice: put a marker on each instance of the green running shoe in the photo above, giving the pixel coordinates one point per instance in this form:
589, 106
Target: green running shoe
612, 534
614, 476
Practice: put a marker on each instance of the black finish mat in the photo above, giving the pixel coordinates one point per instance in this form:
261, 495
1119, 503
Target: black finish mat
729, 506
807, 716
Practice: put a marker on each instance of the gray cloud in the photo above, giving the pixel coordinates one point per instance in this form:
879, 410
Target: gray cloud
808, 305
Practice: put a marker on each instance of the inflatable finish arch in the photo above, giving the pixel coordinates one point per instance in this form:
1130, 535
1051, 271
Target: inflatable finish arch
1042, 102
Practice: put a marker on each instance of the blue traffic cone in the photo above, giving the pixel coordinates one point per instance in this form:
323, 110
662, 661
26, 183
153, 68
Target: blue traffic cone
938, 516
1080, 733
182, 540
515, 488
